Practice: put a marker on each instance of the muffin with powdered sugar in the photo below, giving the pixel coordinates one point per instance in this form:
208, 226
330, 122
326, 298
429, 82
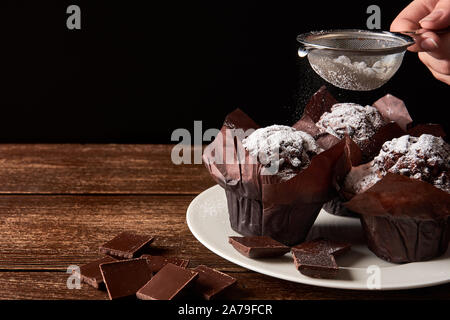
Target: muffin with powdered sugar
358, 122
276, 179
425, 158
403, 198
281, 149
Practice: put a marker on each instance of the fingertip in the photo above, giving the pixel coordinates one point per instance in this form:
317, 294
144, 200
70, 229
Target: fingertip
428, 42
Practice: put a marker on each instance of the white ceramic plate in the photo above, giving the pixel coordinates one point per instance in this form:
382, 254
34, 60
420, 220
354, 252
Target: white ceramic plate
207, 218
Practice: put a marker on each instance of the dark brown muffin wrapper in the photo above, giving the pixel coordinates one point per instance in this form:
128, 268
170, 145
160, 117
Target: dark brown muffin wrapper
392, 109
404, 219
261, 204
397, 119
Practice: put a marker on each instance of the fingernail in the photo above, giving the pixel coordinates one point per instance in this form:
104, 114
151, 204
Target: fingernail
429, 44
433, 16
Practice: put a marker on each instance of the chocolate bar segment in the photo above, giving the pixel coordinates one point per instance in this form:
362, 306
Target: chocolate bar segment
316, 258
315, 265
90, 273
167, 284
124, 278
156, 263
258, 246
126, 245
211, 283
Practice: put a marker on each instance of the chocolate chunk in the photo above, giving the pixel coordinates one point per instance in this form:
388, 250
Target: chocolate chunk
90, 273
210, 282
156, 263
167, 284
258, 246
126, 245
124, 278
316, 258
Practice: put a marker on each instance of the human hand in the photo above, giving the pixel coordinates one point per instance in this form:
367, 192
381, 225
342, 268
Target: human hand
433, 49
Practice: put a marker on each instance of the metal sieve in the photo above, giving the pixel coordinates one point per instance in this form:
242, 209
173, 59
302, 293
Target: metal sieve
354, 59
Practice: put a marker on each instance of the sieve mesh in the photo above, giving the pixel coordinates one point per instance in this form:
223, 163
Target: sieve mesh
354, 59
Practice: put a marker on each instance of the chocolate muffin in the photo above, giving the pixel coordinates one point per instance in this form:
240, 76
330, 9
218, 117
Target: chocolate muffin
358, 122
282, 150
276, 179
425, 158
403, 198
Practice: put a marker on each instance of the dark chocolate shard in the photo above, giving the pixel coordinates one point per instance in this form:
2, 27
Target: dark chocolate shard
211, 283
90, 273
169, 283
315, 265
156, 263
316, 258
125, 277
126, 245
258, 246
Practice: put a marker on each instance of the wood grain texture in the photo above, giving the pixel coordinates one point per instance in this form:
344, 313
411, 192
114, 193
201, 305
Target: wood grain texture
53, 232
58, 203
91, 169
250, 286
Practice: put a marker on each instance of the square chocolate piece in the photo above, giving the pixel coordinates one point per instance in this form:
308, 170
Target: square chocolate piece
125, 277
167, 284
126, 245
258, 246
316, 258
90, 273
156, 263
210, 282
315, 265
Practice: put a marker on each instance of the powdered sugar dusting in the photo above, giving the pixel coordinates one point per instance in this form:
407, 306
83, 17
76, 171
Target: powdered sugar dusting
359, 122
361, 178
288, 149
426, 158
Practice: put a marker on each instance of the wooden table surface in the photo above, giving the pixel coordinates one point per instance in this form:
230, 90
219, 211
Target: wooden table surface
58, 203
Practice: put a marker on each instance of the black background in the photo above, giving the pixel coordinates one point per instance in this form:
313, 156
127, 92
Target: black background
137, 70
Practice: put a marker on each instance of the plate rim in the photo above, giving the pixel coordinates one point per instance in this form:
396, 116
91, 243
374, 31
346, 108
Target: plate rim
327, 283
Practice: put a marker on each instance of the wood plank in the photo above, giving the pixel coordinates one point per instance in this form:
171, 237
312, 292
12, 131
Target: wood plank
42, 233
250, 286
43, 286
91, 169
53, 232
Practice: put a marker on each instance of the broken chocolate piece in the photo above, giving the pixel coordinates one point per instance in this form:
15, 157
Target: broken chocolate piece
258, 246
124, 278
156, 263
211, 283
90, 273
316, 258
167, 284
126, 245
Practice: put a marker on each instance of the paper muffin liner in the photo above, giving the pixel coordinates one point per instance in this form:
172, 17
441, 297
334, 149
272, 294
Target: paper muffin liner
261, 204
398, 123
404, 219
